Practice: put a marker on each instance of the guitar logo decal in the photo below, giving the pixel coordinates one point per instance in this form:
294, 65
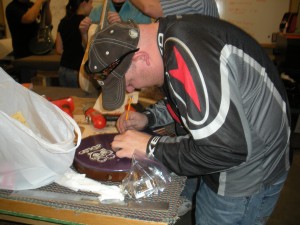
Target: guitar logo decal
98, 153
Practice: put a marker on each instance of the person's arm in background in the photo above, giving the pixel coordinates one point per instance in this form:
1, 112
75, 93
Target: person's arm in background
48, 20
85, 24
83, 28
113, 17
32, 13
151, 8
59, 44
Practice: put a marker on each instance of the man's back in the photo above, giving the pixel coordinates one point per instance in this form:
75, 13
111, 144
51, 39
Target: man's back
241, 124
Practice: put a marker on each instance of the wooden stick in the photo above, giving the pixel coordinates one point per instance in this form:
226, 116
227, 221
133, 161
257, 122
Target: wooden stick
103, 17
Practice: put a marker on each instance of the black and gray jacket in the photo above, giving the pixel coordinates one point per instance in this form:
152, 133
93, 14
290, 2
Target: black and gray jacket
224, 90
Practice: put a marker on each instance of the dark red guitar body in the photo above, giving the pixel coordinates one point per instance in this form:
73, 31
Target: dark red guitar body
95, 158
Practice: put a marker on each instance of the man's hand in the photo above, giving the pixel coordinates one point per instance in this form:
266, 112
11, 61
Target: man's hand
113, 17
130, 141
84, 28
135, 121
84, 25
31, 15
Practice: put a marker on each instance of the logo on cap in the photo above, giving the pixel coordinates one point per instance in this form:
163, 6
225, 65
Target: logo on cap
133, 33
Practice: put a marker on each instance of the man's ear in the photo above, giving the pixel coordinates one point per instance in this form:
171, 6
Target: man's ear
142, 56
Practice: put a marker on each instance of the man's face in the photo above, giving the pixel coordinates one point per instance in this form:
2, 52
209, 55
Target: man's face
131, 80
140, 75
135, 78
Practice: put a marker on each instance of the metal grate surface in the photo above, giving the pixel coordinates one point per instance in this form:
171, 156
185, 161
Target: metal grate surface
171, 194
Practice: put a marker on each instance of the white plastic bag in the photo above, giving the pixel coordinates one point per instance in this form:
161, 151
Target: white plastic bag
35, 153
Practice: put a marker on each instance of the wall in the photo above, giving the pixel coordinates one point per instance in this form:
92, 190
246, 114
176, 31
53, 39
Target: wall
4, 4
294, 6
260, 18
2, 23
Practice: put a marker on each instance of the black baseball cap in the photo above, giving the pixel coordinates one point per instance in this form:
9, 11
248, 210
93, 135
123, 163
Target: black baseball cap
110, 56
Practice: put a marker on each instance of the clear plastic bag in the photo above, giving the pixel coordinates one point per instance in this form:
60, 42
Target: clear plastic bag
38, 148
146, 178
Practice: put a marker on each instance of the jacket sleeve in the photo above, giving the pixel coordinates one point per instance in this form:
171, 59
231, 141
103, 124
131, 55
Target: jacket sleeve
158, 115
